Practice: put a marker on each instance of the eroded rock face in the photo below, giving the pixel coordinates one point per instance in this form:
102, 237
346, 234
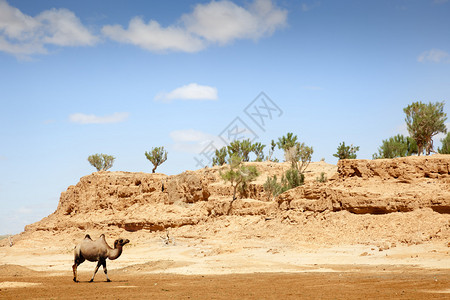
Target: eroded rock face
404, 168
188, 187
378, 186
112, 191
141, 201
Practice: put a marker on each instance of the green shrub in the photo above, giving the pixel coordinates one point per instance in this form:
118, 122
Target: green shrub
239, 174
157, 156
258, 150
322, 178
220, 157
397, 146
445, 149
346, 152
425, 121
271, 151
292, 178
298, 154
272, 187
101, 162
288, 141
241, 148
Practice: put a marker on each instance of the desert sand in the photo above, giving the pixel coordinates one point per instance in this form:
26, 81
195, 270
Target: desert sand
374, 229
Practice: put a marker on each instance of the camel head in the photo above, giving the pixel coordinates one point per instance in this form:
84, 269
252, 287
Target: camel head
120, 242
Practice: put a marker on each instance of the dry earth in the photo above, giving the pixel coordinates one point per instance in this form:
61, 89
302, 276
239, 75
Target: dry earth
375, 229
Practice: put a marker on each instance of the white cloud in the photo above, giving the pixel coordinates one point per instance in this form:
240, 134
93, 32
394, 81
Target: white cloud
435, 56
23, 35
192, 91
153, 37
215, 22
194, 141
93, 119
224, 21
63, 28
14, 23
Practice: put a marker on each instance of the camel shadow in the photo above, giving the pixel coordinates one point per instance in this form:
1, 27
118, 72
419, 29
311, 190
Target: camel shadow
102, 281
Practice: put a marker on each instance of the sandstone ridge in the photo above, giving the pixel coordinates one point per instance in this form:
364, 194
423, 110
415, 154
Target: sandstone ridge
141, 201
378, 187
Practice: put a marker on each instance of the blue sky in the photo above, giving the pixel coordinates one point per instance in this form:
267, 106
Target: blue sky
84, 77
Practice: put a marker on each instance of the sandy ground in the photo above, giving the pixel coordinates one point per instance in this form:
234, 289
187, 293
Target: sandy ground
212, 257
354, 283
214, 268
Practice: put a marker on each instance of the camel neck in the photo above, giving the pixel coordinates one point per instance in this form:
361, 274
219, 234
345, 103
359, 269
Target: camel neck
115, 253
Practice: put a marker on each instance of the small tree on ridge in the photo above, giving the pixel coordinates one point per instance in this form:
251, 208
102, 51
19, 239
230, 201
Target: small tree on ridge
241, 148
157, 156
425, 121
397, 146
101, 162
346, 152
239, 174
220, 157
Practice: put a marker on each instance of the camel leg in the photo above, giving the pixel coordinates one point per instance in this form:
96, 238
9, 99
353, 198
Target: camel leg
96, 269
74, 269
77, 262
106, 271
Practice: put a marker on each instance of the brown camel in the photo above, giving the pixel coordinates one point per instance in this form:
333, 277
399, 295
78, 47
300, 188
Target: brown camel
97, 251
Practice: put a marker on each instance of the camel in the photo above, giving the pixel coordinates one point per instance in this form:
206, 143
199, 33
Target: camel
97, 251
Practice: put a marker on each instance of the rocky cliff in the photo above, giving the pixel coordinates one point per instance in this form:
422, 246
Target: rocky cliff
378, 186
136, 201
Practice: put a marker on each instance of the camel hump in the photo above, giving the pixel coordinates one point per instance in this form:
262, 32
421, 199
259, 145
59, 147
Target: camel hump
88, 237
102, 238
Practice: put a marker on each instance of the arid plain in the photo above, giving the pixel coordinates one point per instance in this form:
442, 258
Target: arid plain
374, 229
